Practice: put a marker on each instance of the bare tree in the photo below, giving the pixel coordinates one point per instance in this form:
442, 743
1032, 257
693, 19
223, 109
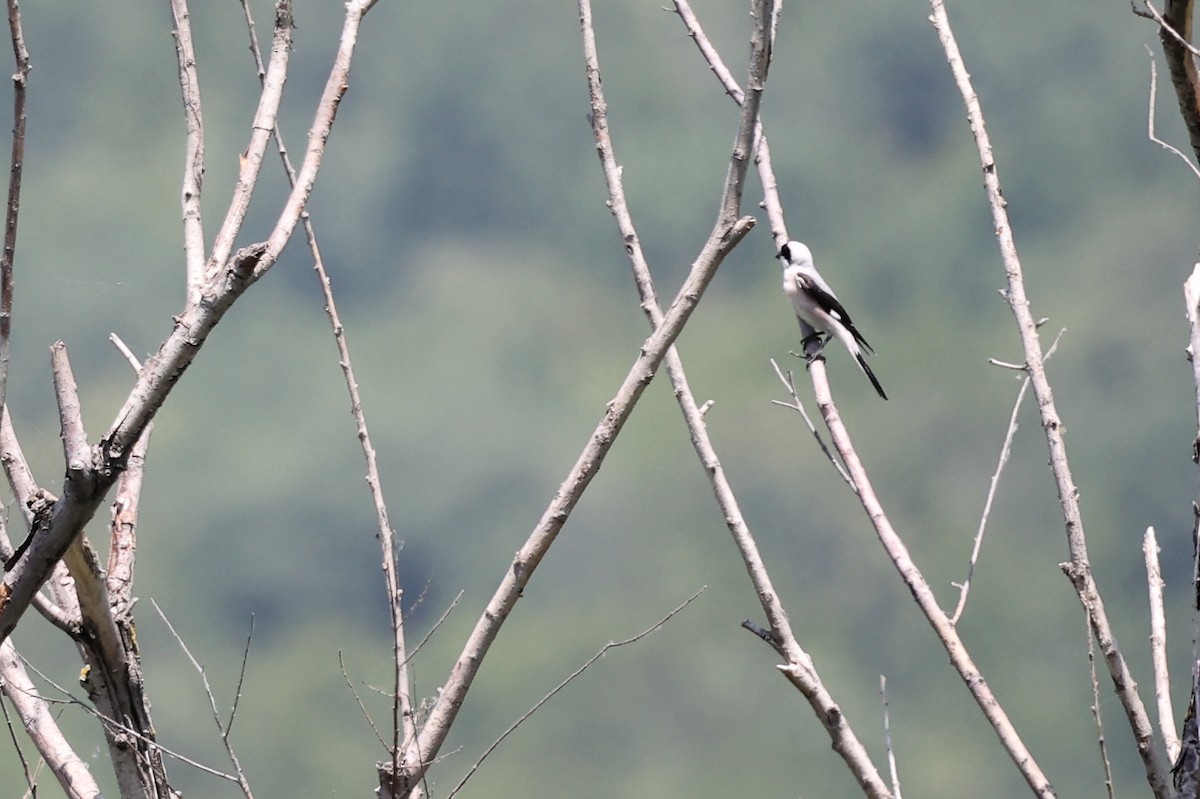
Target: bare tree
58, 572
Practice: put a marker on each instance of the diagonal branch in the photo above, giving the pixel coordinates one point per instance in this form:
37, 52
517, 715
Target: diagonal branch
420, 753
72, 772
260, 136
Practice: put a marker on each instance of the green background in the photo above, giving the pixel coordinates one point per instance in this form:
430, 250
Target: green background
491, 316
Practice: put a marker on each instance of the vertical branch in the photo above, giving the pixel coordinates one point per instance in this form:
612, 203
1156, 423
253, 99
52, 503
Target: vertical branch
1079, 568
76, 450
122, 547
1158, 644
193, 164
16, 169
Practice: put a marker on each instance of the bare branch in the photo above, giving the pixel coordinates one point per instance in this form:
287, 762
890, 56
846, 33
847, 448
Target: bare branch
892, 542
122, 548
16, 171
798, 406
1079, 569
72, 772
766, 174
652, 351
1005, 450
887, 738
76, 450
1158, 645
193, 164
250, 163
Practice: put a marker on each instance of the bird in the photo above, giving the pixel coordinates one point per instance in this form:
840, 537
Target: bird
819, 309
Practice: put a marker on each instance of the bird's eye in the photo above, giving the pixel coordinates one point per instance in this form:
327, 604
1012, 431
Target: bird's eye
784, 253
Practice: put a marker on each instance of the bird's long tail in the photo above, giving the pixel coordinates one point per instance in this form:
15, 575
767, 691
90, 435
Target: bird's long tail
862, 362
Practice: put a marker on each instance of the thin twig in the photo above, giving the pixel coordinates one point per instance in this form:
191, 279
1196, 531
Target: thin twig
1005, 451
361, 705
588, 664
237, 692
1158, 645
115, 725
964, 587
1079, 568
1164, 26
1100, 739
212, 702
436, 625
887, 738
1150, 115
12, 734
798, 406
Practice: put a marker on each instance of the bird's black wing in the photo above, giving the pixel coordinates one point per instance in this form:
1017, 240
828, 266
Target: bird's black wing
830, 304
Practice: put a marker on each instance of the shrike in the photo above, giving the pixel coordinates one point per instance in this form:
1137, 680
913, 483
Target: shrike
817, 307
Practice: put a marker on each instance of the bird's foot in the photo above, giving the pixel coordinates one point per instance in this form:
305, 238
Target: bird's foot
813, 345
809, 357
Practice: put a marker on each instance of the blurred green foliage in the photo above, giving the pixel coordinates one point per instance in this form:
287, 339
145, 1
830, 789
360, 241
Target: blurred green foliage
490, 316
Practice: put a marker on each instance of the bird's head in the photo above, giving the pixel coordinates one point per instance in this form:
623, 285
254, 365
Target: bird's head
795, 253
